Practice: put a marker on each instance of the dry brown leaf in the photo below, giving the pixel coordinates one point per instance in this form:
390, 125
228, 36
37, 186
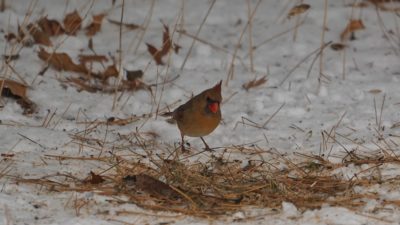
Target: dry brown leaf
131, 26
61, 61
111, 71
152, 186
167, 45
50, 27
72, 23
298, 9
351, 27
10, 36
11, 57
132, 75
83, 59
255, 83
14, 87
375, 91
95, 26
337, 46
7, 155
18, 91
39, 36
155, 53
94, 178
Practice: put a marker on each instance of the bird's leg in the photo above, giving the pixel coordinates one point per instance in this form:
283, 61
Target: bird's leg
182, 143
207, 148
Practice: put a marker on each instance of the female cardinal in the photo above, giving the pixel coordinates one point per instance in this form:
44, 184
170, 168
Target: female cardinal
200, 115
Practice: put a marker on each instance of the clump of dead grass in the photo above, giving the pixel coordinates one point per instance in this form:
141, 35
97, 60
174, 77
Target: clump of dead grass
220, 185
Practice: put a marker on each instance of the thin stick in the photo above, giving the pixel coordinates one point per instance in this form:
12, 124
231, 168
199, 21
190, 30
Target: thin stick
302, 61
277, 35
232, 64
146, 25
380, 115
197, 33
250, 36
321, 56
273, 115
120, 69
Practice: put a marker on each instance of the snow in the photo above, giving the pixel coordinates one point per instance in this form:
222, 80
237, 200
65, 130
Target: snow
371, 62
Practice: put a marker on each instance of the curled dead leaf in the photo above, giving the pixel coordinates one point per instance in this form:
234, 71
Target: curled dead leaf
132, 75
61, 61
255, 83
50, 27
131, 26
337, 46
110, 71
83, 59
16, 90
95, 26
298, 9
94, 178
38, 35
155, 53
352, 26
72, 23
375, 91
167, 45
150, 185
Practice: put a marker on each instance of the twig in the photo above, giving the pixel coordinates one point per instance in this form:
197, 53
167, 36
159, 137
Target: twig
35, 142
302, 61
321, 55
232, 64
273, 115
197, 34
250, 35
120, 69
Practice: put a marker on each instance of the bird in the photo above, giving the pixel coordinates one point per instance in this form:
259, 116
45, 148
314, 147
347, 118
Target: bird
199, 116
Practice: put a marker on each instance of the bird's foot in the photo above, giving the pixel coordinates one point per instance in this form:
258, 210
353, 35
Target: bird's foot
208, 149
183, 149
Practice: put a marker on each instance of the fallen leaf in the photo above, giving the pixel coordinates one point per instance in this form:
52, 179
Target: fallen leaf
167, 45
111, 71
375, 91
131, 26
11, 57
95, 26
10, 36
94, 178
7, 155
337, 46
61, 61
255, 83
72, 23
132, 75
39, 36
14, 87
155, 53
83, 59
50, 27
351, 27
18, 91
150, 185
297, 10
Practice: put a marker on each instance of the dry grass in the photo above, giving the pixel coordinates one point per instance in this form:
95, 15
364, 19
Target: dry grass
219, 185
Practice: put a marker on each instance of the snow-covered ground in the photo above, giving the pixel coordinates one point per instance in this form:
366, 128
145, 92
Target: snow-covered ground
355, 84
